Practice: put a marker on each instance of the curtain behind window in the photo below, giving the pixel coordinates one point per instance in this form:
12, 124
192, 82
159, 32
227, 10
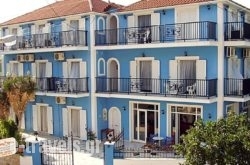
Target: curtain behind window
146, 75
74, 76
187, 73
144, 20
42, 75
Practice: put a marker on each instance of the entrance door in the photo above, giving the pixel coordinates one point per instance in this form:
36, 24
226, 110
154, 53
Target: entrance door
182, 119
115, 120
113, 77
75, 122
145, 121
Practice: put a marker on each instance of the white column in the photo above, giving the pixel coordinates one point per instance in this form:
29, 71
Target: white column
220, 22
92, 21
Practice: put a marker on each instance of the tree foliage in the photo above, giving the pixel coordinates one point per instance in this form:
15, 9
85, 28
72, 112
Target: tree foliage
226, 141
20, 90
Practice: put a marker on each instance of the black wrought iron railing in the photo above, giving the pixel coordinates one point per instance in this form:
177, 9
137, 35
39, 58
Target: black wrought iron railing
45, 40
237, 31
205, 30
65, 85
236, 87
144, 153
166, 87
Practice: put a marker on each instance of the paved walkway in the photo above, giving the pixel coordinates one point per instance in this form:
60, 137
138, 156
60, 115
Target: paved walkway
85, 157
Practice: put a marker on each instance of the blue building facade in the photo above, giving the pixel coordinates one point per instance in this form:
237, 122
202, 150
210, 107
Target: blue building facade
138, 69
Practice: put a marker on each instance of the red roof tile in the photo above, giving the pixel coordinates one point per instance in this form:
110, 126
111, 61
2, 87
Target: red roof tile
147, 4
60, 9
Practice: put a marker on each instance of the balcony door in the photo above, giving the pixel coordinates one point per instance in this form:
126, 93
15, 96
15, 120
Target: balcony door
42, 70
74, 73
113, 75
187, 15
235, 83
144, 121
144, 74
181, 119
113, 30
188, 71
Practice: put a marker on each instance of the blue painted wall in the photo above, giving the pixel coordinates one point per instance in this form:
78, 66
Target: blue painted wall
164, 55
208, 110
57, 112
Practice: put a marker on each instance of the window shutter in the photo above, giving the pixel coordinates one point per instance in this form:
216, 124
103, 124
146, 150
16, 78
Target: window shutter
131, 21
50, 120
155, 76
64, 25
33, 29
12, 114
23, 121
155, 22
82, 69
48, 69
133, 81
173, 69
247, 68
83, 125
46, 29
34, 110
20, 69
82, 24
8, 65
65, 70
33, 69
65, 121
201, 85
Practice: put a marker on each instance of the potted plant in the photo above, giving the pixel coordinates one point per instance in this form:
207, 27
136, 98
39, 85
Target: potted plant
91, 135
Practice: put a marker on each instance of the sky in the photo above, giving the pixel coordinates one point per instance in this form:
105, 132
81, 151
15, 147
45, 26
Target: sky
12, 8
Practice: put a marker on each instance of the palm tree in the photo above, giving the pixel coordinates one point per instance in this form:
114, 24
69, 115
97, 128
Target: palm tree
20, 90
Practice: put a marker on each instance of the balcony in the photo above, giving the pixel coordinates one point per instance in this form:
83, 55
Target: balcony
160, 87
62, 85
237, 87
46, 40
237, 31
201, 31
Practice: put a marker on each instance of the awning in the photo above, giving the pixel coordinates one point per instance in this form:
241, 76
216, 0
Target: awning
8, 40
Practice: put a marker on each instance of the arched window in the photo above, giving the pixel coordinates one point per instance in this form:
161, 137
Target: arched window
101, 67
101, 24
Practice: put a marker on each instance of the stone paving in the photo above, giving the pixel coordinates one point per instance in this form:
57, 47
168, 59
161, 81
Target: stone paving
86, 156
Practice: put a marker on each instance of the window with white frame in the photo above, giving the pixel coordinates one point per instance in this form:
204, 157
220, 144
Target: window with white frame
234, 107
43, 118
144, 74
74, 74
140, 27
101, 25
14, 68
187, 72
101, 67
75, 122
41, 70
12, 116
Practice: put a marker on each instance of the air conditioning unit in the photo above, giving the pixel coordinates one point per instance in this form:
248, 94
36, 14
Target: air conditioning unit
231, 52
60, 100
246, 53
59, 56
29, 57
20, 58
